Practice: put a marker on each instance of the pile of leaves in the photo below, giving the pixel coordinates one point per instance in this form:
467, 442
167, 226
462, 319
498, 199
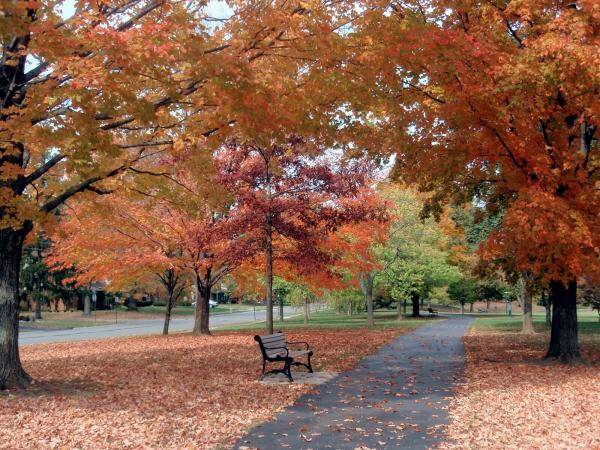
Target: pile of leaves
512, 398
176, 391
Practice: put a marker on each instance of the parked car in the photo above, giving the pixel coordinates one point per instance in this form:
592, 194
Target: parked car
211, 303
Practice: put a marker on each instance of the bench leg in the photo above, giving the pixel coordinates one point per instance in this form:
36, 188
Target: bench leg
287, 371
262, 374
309, 366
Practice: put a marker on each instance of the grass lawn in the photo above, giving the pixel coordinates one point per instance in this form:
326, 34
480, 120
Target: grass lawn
587, 321
510, 391
190, 310
53, 321
332, 319
168, 392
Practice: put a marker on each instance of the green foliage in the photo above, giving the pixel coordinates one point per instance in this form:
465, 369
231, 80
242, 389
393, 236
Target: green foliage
491, 290
416, 257
590, 296
298, 294
463, 291
39, 283
476, 223
345, 300
281, 289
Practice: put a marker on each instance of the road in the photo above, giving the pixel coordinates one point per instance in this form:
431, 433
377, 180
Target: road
138, 328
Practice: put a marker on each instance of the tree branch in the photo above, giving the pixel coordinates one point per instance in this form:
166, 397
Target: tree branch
40, 171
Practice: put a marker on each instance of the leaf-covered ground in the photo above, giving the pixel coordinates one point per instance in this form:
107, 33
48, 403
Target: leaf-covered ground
156, 392
512, 399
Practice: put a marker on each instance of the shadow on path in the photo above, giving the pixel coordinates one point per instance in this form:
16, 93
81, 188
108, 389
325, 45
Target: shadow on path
396, 398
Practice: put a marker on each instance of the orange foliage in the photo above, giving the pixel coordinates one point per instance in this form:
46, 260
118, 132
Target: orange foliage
175, 392
498, 103
508, 388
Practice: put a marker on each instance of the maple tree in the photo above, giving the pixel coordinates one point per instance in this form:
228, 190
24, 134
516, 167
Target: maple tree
133, 243
498, 102
171, 227
417, 255
360, 246
89, 91
290, 200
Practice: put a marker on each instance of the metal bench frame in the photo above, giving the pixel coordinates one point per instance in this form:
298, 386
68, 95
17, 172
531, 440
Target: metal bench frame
288, 361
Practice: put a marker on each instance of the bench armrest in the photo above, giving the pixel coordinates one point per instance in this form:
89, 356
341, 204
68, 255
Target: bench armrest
299, 342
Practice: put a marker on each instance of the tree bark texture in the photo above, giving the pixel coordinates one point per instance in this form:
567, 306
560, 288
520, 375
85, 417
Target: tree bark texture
201, 320
366, 284
269, 275
527, 303
564, 343
305, 307
12, 373
415, 304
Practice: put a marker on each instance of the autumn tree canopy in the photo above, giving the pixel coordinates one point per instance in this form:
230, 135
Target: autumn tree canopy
89, 92
290, 198
499, 102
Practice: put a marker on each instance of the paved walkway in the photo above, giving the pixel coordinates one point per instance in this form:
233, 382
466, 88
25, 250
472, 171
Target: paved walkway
397, 398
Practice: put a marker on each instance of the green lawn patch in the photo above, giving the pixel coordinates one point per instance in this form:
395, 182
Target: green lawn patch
332, 319
185, 310
60, 324
587, 322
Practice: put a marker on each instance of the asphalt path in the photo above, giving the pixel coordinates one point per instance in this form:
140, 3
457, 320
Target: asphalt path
139, 327
396, 398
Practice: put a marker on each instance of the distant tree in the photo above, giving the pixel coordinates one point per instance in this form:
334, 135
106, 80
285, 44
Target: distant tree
489, 290
590, 296
463, 291
416, 257
290, 201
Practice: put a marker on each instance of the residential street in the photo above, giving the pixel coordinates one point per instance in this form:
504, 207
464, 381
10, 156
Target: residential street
137, 328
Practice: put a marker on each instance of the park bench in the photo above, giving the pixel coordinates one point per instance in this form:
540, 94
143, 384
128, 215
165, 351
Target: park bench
432, 312
274, 348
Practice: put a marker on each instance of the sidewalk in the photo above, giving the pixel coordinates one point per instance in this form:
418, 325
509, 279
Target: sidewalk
396, 398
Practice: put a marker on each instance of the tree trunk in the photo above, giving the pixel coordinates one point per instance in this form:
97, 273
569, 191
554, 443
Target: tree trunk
168, 309
87, 305
366, 284
462, 308
404, 306
12, 373
548, 307
281, 309
487, 305
38, 310
471, 307
415, 304
269, 275
369, 300
201, 320
564, 344
130, 303
399, 310
527, 309
305, 311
